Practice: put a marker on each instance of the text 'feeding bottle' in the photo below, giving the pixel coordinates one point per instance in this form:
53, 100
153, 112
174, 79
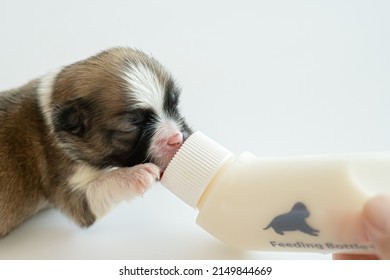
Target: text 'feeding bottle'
295, 204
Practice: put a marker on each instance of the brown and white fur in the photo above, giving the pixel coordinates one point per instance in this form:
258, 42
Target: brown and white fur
87, 136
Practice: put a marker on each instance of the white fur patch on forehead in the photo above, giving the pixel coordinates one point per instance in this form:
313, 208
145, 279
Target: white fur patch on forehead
146, 86
45, 90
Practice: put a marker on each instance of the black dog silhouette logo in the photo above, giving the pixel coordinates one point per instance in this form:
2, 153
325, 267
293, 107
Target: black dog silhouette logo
295, 220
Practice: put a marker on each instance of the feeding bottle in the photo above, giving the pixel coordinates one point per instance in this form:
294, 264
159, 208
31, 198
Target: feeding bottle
292, 204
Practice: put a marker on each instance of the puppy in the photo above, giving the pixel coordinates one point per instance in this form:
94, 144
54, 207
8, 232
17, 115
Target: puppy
87, 136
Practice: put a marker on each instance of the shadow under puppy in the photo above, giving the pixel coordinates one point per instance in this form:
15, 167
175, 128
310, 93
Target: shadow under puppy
87, 136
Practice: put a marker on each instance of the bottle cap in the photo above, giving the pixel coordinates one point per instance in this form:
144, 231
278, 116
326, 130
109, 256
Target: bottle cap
193, 167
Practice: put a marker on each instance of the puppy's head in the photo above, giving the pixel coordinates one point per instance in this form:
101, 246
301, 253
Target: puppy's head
118, 108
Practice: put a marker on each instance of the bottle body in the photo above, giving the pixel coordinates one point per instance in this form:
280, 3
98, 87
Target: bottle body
301, 204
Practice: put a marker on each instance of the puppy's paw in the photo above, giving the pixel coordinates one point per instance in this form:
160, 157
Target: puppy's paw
143, 176
119, 184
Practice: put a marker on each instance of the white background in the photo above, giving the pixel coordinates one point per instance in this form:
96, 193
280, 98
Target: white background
271, 77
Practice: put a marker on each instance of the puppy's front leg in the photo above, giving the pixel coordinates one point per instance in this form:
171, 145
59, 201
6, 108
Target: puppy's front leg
104, 190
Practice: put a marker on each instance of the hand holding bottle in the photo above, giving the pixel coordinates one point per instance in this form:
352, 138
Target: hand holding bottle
376, 222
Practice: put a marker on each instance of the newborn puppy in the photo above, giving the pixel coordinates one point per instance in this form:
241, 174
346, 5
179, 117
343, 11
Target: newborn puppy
87, 136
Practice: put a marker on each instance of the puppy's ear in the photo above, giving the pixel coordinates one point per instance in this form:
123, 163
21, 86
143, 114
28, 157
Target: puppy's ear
71, 117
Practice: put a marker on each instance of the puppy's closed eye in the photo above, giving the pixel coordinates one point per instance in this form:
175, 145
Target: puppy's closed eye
125, 130
122, 139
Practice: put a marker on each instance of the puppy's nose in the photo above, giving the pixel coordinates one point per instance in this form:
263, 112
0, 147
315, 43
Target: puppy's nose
176, 140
